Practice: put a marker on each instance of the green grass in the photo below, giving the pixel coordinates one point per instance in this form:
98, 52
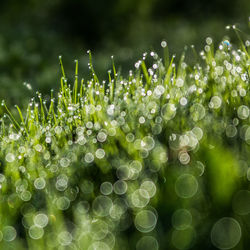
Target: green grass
158, 159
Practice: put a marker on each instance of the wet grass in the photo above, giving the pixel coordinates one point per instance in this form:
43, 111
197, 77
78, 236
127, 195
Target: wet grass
157, 159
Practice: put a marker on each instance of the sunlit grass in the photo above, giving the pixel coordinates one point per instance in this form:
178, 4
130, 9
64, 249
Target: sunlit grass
157, 159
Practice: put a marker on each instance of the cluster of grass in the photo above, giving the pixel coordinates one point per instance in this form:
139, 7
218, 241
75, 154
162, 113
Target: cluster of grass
155, 160
32, 57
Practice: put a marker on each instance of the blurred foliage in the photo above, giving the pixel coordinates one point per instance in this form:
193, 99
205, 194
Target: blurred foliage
150, 160
186, 156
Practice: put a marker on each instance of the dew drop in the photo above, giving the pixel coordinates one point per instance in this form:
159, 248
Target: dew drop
226, 233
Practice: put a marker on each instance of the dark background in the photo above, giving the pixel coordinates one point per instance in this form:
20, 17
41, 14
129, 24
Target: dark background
34, 33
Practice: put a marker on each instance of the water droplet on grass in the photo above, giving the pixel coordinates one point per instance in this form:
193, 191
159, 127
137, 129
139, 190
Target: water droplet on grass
186, 186
150, 187
181, 219
40, 183
100, 153
226, 233
62, 182
148, 143
163, 44
106, 188
231, 131
198, 132
89, 157
10, 157
145, 221
142, 120
197, 112
9, 233
183, 101
120, 187
168, 111
215, 102
101, 136
130, 137
25, 195
184, 157
41, 220
99, 229
147, 243
63, 203
101, 205
209, 40
243, 112
140, 198
64, 238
